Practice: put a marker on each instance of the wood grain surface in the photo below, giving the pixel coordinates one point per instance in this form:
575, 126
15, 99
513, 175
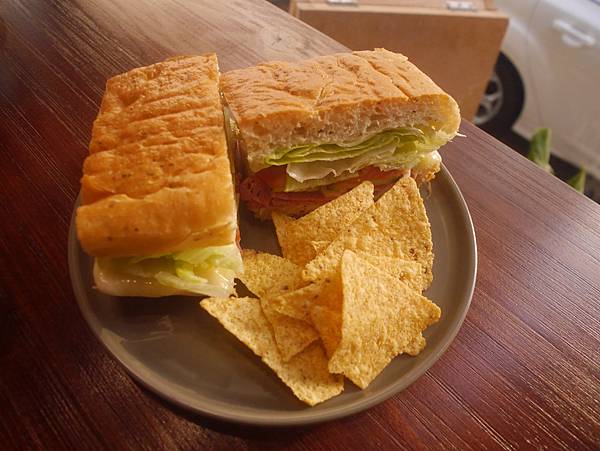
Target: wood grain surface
522, 372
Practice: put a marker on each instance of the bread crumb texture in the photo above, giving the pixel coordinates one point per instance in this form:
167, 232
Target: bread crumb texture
332, 99
158, 151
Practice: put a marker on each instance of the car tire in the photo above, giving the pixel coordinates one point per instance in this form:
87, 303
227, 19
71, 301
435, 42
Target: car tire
503, 99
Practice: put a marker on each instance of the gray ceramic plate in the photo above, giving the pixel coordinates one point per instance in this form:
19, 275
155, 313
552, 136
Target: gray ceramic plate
176, 349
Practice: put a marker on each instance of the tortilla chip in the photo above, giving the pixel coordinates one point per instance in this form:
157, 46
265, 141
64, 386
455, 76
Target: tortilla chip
319, 246
326, 313
306, 373
415, 347
381, 317
395, 226
328, 324
331, 293
408, 271
280, 221
268, 275
323, 224
291, 335
326, 308
297, 303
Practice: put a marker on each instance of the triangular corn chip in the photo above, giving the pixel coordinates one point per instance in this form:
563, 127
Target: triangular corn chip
408, 271
296, 303
306, 373
268, 275
381, 318
326, 311
291, 335
328, 323
323, 224
395, 226
415, 347
319, 246
280, 221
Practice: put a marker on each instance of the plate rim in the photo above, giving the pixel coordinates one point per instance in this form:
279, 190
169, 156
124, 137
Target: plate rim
296, 418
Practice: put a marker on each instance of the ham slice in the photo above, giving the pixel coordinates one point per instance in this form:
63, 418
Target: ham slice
260, 197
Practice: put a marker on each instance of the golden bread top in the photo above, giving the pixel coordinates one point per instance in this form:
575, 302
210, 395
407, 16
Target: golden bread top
158, 177
332, 98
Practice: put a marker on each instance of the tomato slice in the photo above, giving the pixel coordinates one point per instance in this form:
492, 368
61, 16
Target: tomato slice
266, 187
304, 196
374, 173
273, 176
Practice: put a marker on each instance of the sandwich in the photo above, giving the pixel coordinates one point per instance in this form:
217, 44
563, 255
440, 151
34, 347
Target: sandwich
312, 130
158, 209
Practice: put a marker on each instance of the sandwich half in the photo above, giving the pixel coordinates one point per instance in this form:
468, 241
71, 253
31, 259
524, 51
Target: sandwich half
311, 130
158, 210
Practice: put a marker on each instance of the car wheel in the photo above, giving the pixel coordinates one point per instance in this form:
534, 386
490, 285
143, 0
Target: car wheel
503, 99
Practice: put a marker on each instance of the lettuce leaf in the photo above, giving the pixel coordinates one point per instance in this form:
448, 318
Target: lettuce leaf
404, 139
425, 162
293, 186
315, 170
309, 166
209, 270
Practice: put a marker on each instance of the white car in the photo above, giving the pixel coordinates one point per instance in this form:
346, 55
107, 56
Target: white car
548, 75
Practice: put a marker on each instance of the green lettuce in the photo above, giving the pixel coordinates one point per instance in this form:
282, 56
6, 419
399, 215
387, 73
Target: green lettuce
209, 270
310, 166
422, 161
406, 140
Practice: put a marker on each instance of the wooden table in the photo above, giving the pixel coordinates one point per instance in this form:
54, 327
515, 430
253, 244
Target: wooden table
522, 372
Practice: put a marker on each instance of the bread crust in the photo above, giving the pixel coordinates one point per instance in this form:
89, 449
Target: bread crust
332, 99
158, 177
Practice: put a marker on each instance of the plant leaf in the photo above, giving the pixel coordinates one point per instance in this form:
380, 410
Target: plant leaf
578, 181
539, 149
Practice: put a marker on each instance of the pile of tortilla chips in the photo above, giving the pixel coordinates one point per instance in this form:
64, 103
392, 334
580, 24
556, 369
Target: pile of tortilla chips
345, 298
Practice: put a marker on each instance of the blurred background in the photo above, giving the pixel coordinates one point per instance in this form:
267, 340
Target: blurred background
526, 71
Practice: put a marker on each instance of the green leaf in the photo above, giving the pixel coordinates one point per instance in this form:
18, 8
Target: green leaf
578, 181
539, 149
405, 139
207, 270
